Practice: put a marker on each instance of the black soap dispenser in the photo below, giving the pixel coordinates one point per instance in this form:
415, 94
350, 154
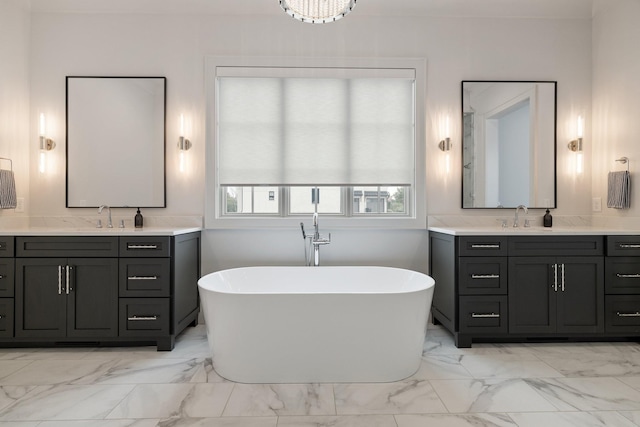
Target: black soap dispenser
138, 219
547, 219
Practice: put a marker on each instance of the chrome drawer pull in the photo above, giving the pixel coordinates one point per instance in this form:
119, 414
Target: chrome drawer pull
636, 314
628, 276
1, 276
491, 246
143, 318
142, 246
482, 315
630, 245
142, 277
485, 276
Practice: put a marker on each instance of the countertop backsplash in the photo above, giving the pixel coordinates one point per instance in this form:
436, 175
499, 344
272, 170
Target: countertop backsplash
90, 221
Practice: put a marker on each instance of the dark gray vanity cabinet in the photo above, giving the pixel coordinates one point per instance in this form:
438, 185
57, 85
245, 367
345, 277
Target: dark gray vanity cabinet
556, 295
622, 300
59, 297
518, 287
470, 296
66, 297
556, 284
7, 273
100, 289
158, 286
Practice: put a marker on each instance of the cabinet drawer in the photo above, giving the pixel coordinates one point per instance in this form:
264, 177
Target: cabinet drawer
67, 246
622, 275
6, 246
622, 313
6, 317
556, 245
482, 276
145, 277
483, 314
144, 317
152, 246
7, 274
623, 245
482, 246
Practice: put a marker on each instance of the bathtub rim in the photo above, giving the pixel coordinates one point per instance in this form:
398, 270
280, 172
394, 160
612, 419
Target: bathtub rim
429, 282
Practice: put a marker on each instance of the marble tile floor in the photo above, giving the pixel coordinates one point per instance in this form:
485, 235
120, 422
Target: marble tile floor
524, 385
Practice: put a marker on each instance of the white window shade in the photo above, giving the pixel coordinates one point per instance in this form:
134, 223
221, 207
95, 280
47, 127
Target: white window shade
316, 131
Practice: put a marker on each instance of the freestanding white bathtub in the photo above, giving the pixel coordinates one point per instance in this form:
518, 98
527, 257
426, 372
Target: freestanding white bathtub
316, 324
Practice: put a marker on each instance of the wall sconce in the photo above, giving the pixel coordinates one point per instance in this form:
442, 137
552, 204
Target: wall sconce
183, 144
46, 144
576, 145
445, 143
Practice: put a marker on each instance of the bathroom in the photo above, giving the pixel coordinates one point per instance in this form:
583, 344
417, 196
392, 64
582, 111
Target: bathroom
585, 47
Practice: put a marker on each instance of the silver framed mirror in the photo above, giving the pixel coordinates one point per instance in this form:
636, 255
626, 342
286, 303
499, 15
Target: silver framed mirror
508, 144
115, 146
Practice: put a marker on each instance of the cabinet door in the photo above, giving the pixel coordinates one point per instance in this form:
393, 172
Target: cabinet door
581, 295
6, 277
532, 295
40, 303
92, 307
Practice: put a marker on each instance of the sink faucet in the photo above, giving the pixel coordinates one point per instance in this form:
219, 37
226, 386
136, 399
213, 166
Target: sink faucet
109, 223
526, 211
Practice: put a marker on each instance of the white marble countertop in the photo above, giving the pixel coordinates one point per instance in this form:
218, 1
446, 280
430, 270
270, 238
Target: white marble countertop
87, 231
587, 230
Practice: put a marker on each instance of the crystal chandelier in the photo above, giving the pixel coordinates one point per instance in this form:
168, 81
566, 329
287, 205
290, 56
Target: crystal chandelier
317, 11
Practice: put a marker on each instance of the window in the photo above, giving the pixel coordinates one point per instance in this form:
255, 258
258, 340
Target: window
280, 131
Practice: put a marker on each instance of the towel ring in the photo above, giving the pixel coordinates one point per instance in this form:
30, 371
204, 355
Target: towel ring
624, 160
10, 162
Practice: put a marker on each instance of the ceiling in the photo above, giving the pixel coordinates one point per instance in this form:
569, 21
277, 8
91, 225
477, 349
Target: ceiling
579, 9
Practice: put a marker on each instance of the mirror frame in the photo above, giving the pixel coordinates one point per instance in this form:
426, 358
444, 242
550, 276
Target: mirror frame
68, 146
554, 204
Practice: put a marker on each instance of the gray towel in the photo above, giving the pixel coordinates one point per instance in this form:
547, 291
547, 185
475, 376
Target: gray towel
619, 190
7, 190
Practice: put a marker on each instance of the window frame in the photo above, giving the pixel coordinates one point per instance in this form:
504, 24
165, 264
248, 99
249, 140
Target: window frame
416, 204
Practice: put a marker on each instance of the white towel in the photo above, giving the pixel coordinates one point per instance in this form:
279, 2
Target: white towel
7, 190
619, 190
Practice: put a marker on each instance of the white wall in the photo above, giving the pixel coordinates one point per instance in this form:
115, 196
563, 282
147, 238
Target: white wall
14, 93
175, 46
616, 98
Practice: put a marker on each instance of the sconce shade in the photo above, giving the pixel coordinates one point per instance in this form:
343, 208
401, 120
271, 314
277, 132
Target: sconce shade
317, 11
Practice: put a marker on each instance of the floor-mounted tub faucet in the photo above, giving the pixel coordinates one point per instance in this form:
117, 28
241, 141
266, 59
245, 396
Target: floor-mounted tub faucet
109, 223
526, 211
315, 241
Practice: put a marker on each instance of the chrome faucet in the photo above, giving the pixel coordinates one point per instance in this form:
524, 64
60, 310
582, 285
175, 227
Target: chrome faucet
316, 240
526, 211
109, 223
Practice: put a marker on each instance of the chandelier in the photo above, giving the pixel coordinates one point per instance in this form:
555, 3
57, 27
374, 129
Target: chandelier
317, 11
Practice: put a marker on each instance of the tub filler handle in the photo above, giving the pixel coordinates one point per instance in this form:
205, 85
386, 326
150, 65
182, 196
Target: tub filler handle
484, 315
142, 318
